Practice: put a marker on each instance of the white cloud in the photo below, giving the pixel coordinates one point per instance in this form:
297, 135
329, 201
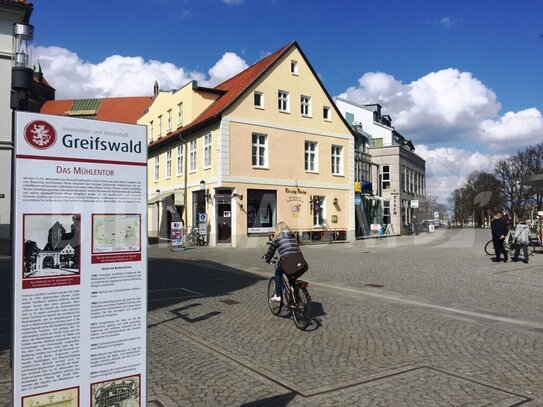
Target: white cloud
446, 21
432, 109
226, 67
524, 128
448, 167
118, 75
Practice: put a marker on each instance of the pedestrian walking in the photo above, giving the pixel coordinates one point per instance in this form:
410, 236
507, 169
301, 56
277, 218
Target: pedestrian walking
521, 240
499, 231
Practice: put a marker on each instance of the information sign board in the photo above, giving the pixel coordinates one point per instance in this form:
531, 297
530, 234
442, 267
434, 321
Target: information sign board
80, 261
177, 234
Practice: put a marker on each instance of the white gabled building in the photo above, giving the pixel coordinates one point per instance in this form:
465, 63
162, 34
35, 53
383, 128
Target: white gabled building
398, 174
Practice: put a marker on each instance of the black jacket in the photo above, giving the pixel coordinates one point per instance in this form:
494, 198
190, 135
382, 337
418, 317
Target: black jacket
498, 228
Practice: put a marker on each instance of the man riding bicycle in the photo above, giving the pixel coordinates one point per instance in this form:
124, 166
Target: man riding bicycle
285, 242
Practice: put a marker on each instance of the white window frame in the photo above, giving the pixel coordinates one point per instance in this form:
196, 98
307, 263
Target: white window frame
305, 105
337, 160
311, 156
322, 216
160, 126
208, 141
192, 156
168, 164
283, 103
261, 95
294, 67
259, 150
180, 160
151, 131
327, 113
385, 179
180, 114
156, 173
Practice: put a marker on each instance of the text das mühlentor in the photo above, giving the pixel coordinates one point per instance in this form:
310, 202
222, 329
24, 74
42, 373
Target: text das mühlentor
96, 143
84, 171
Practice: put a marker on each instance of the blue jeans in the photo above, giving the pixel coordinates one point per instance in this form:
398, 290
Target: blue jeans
278, 280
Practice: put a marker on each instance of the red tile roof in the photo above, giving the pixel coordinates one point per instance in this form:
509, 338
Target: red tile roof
233, 88
121, 110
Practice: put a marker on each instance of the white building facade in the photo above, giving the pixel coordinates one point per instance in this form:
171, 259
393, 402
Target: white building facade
399, 176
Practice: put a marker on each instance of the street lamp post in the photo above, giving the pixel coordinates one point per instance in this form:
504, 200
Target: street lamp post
21, 83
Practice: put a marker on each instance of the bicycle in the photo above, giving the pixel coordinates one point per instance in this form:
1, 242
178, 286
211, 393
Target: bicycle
295, 299
489, 247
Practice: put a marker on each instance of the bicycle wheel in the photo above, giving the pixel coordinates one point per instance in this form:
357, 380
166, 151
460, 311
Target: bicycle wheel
531, 248
489, 248
275, 306
300, 311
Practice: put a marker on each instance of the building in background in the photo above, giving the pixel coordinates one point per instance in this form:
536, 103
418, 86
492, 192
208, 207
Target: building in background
265, 146
11, 12
399, 180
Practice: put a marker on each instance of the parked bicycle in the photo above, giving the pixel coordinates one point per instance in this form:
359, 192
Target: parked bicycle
295, 300
194, 238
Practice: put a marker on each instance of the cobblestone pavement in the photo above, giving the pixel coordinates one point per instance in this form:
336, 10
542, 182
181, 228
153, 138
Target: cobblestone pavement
422, 320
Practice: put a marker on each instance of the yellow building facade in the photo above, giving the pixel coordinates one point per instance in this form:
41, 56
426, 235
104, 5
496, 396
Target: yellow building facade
267, 145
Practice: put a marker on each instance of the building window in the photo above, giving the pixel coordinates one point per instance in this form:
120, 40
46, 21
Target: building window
403, 185
411, 176
157, 168
294, 67
327, 113
169, 164
337, 160
192, 156
311, 158
305, 105
259, 100
151, 130
261, 210
180, 160
386, 212
198, 205
282, 97
207, 150
385, 177
349, 118
260, 150
180, 115
169, 120
318, 211
159, 126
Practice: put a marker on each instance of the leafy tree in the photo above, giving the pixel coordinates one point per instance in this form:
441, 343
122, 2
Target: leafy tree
31, 251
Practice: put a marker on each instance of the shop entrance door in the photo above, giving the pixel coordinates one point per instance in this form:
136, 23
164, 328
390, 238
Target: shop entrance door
223, 203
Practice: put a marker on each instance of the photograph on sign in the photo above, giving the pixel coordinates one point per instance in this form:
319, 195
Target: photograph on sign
51, 250
80, 246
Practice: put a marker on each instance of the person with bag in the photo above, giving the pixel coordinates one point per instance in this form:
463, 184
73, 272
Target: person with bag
291, 260
521, 240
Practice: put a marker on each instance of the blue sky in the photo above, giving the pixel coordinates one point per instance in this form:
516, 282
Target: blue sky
462, 79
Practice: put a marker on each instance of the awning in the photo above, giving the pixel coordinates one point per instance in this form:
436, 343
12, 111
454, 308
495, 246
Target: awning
178, 197
159, 197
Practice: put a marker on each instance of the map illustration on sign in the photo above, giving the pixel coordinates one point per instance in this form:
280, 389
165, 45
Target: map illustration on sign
116, 233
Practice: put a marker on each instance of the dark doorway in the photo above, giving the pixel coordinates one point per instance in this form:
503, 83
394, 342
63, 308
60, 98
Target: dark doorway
223, 203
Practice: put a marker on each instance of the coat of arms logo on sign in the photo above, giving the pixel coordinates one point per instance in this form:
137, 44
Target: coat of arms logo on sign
40, 134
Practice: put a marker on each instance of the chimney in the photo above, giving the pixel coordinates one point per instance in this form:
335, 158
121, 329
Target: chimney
156, 89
